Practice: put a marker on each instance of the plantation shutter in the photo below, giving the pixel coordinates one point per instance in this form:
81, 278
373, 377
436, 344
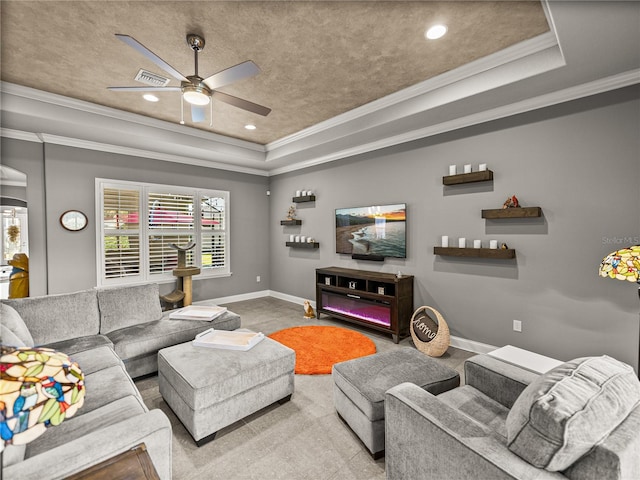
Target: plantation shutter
171, 221
141, 223
121, 232
213, 232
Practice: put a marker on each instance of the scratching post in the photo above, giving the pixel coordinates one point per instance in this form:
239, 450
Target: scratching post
184, 289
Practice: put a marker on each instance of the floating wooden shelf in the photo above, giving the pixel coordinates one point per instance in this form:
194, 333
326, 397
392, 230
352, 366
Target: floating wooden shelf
472, 177
517, 212
306, 198
475, 252
303, 244
290, 223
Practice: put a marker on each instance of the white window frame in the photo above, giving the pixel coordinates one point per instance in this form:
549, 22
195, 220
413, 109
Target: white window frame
145, 189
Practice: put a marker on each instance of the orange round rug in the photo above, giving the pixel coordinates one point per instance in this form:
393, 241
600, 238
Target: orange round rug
318, 348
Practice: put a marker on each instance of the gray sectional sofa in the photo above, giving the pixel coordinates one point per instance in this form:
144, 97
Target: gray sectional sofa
579, 421
114, 334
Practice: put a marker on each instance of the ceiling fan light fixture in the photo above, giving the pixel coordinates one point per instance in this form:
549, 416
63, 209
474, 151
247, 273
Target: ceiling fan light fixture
250, 126
436, 31
195, 95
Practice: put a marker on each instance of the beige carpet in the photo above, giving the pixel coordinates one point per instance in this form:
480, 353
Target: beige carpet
302, 439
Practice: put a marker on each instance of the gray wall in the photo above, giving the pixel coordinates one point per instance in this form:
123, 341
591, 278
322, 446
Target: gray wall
579, 161
69, 182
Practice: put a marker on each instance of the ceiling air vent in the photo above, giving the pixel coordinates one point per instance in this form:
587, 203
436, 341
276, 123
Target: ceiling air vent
153, 79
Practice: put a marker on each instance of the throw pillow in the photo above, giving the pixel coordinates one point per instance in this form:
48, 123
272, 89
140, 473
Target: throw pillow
122, 307
13, 322
562, 414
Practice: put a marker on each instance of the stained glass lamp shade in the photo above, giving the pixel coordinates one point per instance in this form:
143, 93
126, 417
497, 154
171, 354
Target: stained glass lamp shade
622, 264
39, 388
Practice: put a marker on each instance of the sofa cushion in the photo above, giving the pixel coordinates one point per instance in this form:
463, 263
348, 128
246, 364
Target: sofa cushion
142, 339
107, 385
482, 408
13, 328
96, 359
81, 344
79, 425
562, 414
53, 318
122, 307
13, 454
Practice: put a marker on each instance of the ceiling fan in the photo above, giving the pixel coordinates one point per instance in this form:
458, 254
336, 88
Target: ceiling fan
198, 91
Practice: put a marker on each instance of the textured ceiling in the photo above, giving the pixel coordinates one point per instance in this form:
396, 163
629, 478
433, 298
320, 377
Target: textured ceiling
317, 59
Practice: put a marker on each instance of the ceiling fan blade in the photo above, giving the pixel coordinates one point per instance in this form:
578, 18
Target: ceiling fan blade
132, 42
240, 103
145, 89
232, 74
198, 113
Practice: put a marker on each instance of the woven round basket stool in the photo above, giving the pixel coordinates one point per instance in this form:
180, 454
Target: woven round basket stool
429, 337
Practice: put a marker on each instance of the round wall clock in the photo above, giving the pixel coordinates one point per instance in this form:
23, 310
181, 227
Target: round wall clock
73, 220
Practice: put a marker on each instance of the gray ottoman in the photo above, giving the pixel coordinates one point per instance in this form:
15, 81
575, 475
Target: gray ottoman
359, 386
209, 388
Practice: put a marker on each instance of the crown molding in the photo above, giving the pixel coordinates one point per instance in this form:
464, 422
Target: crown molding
88, 107
20, 135
136, 152
561, 96
490, 62
573, 93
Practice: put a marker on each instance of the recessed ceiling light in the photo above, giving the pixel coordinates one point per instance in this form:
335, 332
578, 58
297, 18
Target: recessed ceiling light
250, 127
149, 97
435, 32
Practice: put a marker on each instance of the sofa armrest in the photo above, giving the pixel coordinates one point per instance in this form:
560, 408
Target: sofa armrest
501, 381
151, 428
426, 437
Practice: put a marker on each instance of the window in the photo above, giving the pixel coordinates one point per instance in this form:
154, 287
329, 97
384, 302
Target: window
142, 224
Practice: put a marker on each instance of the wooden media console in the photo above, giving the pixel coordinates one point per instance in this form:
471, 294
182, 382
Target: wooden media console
381, 301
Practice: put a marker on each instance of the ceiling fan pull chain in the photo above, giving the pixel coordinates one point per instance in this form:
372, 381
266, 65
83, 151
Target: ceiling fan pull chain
195, 54
181, 110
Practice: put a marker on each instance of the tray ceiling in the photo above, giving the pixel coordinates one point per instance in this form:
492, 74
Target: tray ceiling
317, 59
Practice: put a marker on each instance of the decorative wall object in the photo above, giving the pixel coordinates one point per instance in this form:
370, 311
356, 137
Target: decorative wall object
73, 220
430, 336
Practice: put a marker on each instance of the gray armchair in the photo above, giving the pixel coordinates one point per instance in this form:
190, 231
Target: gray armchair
463, 433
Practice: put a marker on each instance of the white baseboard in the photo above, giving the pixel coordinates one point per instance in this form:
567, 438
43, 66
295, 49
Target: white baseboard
236, 298
291, 298
471, 345
457, 342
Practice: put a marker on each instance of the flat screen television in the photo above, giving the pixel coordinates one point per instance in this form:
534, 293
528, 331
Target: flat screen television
378, 231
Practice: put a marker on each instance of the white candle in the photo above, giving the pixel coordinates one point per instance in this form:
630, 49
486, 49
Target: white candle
482, 167
493, 243
298, 193
292, 238
304, 193
297, 239
477, 244
467, 168
303, 238
452, 169
310, 193
445, 241
462, 242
